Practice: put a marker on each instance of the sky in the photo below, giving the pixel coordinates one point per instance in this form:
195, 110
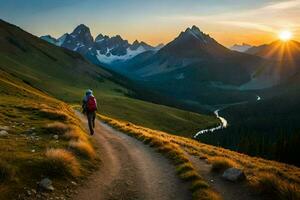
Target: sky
158, 21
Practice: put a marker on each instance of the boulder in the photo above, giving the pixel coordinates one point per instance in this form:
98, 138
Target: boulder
5, 128
55, 137
46, 184
234, 175
3, 133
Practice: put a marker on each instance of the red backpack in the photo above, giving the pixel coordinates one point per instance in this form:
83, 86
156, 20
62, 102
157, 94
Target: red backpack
91, 104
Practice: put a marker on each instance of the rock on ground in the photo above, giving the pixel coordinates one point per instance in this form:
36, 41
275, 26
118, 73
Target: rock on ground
46, 184
234, 174
3, 133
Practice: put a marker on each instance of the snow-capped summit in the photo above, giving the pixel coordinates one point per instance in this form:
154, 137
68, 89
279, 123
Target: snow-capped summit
103, 49
195, 30
111, 50
193, 43
195, 33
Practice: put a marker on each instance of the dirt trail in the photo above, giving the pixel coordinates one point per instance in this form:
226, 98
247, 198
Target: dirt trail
227, 189
130, 170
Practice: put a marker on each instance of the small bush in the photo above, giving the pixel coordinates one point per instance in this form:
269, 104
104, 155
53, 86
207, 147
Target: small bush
6, 171
57, 128
189, 175
182, 168
83, 148
53, 115
220, 164
199, 184
75, 134
60, 162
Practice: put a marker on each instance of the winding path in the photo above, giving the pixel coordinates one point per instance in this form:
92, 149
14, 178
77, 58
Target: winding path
130, 170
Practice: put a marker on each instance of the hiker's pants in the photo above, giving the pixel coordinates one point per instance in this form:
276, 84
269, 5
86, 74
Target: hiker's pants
91, 116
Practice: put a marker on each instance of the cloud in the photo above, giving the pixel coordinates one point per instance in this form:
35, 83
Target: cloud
244, 24
269, 17
282, 5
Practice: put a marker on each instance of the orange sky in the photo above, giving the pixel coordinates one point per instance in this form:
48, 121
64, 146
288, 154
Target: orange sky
156, 21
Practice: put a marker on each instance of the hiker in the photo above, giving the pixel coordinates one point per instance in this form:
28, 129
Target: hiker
89, 107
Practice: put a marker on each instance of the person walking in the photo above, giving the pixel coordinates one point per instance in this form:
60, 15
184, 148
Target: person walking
89, 107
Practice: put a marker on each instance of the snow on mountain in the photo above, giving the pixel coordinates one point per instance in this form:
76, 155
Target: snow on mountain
240, 47
103, 49
61, 40
109, 58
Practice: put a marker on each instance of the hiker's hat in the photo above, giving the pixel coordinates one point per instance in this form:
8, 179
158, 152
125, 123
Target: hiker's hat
89, 91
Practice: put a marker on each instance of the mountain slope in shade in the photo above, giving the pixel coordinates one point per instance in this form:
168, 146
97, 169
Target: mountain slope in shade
102, 50
277, 50
194, 67
80, 40
240, 47
191, 48
285, 55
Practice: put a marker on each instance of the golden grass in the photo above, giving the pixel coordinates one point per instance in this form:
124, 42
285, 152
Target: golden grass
53, 115
62, 162
83, 148
75, 133
220, 164
285, 177
272, 186
57, 128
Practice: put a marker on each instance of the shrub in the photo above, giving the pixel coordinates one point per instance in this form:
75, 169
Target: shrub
75, 133
82, 148
57, 128
60, 162
198, 184
220, 164
182, 168
189, 175
53, 115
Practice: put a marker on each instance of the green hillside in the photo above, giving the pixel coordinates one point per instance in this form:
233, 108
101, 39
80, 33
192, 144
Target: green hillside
39, 135
66, 75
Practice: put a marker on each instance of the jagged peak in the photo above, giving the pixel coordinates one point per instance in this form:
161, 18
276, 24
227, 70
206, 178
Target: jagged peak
194, 30
196, 33
136, 42
81, 29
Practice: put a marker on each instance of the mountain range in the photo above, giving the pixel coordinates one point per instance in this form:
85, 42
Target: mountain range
101, 50
193, 68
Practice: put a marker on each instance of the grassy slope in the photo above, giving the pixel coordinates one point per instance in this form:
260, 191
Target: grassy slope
27, 112
66, 75
276, 180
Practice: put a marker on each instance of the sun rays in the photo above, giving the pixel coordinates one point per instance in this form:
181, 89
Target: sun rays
285, 35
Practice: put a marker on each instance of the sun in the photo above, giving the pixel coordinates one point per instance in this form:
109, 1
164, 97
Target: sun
285, 35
